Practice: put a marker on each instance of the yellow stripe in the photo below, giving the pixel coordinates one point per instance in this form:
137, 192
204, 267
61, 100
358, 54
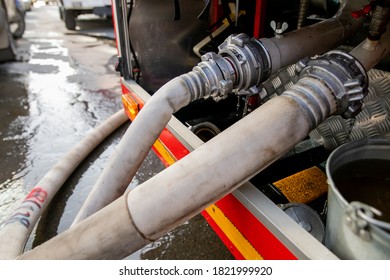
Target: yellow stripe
234, 235
160, 147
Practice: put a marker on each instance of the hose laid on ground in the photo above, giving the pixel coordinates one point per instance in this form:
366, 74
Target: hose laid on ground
16, 230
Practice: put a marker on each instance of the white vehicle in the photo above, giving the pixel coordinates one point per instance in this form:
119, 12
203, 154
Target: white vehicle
70, 9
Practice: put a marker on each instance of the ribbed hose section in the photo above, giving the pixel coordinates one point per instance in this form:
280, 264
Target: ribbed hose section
315, 97
196, 84
372, 121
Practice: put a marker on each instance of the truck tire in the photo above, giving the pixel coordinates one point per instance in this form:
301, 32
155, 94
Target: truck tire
70, 19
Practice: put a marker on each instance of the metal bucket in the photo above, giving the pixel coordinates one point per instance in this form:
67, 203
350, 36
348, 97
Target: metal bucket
358, 218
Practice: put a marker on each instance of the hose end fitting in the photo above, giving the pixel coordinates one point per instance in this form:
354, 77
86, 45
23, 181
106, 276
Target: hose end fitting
218, 75
241, 65
250, 60
345, 77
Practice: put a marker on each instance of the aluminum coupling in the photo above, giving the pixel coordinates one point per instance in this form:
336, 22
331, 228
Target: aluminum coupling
250, 60
344, 75
218, 76
240, 66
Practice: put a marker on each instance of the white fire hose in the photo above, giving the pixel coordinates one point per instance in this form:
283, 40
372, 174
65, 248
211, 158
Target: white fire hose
214, 169
190, 185
203, 82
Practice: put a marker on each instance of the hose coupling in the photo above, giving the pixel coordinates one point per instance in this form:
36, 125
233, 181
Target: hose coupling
250, 60
343, 75
240, 66
218, 75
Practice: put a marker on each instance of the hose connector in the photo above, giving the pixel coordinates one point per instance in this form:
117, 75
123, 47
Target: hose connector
250, 60
345, 77
218, 74
241, 65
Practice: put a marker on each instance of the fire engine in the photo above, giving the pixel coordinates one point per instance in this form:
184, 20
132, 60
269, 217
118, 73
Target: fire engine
272, 118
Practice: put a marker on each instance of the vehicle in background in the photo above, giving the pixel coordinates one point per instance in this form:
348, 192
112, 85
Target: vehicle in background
7, 46
71, 9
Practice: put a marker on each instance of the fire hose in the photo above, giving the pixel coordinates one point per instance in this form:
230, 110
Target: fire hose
334, 83
241, 65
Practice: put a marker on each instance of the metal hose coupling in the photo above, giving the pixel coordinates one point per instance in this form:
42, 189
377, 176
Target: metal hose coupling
251, 61
240, 66
344, 77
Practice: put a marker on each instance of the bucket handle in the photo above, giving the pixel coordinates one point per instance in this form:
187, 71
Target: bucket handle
359, 216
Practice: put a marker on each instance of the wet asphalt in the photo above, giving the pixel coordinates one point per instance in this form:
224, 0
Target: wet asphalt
62, 85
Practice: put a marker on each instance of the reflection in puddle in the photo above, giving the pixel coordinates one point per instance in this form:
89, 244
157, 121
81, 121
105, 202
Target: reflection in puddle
44, 113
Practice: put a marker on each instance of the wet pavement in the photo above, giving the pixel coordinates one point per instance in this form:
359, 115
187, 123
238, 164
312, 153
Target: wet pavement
62, 86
